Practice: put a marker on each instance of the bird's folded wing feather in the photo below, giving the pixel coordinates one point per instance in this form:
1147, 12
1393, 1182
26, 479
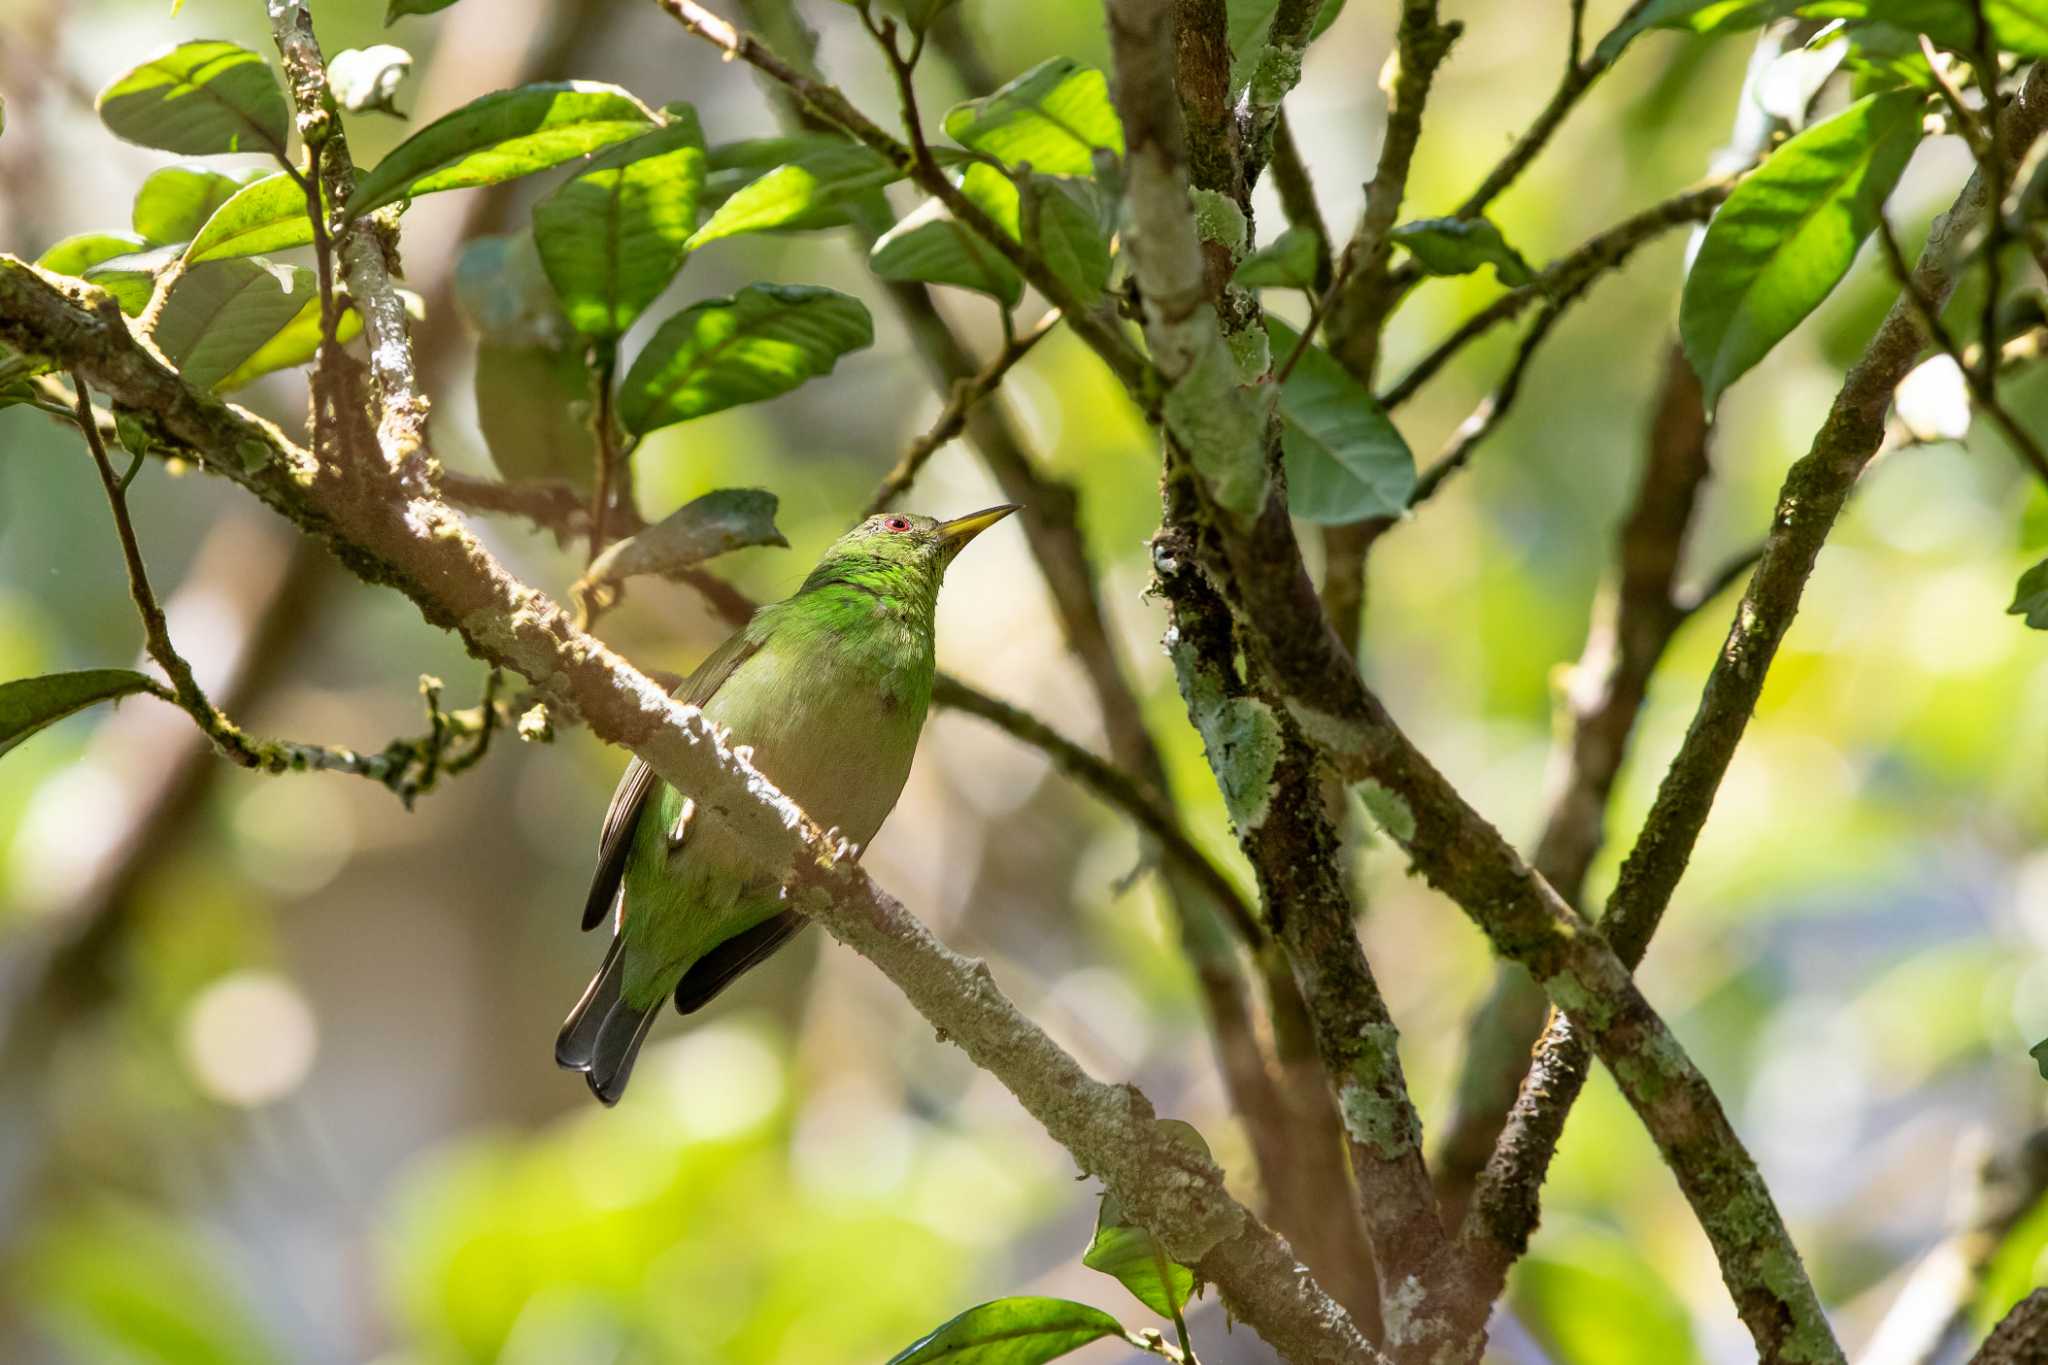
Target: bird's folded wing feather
615, 840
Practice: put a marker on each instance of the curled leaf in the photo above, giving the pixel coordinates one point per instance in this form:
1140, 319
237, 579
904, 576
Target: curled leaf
723, 520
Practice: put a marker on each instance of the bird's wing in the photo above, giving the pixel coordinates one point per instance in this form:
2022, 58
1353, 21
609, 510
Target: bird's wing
615, 840
718, 968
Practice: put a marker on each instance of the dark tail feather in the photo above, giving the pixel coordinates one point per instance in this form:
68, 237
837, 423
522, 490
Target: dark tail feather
603, 1033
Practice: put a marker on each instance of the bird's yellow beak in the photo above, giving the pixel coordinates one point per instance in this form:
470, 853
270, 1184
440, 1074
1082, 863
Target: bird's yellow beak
955, 534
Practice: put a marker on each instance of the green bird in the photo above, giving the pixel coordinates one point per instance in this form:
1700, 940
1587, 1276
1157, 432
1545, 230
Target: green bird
829, 689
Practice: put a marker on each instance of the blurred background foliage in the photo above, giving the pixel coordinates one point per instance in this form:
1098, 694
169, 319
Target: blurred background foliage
275, 1080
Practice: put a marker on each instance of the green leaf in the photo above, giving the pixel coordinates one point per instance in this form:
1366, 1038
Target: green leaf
612, 238
1696, 16
2030, 599
400, 8
1017, 1331
28, 704
1128, 1254
1585, 1281
75, 255
805, 191
264, 215
1287, 262
175, 201
131, 279
502, 289
764, 341
1054, 116
2039, 1052
1345, 460
932, 247
534, 405
365, 80
723, 520
1070, 231
294, 345
1788, 234
1249, 27
1459, 246
502, 136
220, 314
197, 99
2018, 26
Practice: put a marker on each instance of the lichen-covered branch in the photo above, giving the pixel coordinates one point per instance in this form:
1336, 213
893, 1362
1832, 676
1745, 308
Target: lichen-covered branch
368, 247
418, 546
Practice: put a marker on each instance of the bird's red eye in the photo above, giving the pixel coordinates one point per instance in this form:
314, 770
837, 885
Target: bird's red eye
897, 523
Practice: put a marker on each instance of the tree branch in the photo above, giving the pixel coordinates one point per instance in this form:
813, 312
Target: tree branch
368, 248
390, 536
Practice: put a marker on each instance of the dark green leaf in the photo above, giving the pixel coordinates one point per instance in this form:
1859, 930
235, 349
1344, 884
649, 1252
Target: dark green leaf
365, 80
264, 215
932, 247
612, 238
400, 8
502, 289
805, 191
220, 314
1345, 459
175, 201
534, 406
1054, 116
1019, 1331
502, 136
197, 99
75, 255
28, 704
764, 341
1459, 246
131, 279
723, 520
2030, 599
2039, 1052
1789, 232
1287, 262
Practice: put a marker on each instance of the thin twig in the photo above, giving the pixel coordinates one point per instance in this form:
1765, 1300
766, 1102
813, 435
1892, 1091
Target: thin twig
952, 419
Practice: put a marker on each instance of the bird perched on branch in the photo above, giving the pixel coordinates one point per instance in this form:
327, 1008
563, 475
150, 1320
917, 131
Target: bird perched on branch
829, 689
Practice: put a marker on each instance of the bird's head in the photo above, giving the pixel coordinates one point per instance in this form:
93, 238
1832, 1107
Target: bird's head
905, 542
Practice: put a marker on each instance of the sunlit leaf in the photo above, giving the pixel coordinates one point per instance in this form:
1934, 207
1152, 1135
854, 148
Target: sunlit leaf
502, 136
1345, 460
1697, 16
220, 314
75, 255
763, 341
534, 406
197, 99
175, 201
264, 215
29, 704
721, 521
132, 278
1287, 262
804, 191
2018, 26
2030, 599
613, 237
1129, 1254
932, 247
1789, 232
1054, 116
1459, 246
1070, 232
294, 344
365, 80
1018, 1331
